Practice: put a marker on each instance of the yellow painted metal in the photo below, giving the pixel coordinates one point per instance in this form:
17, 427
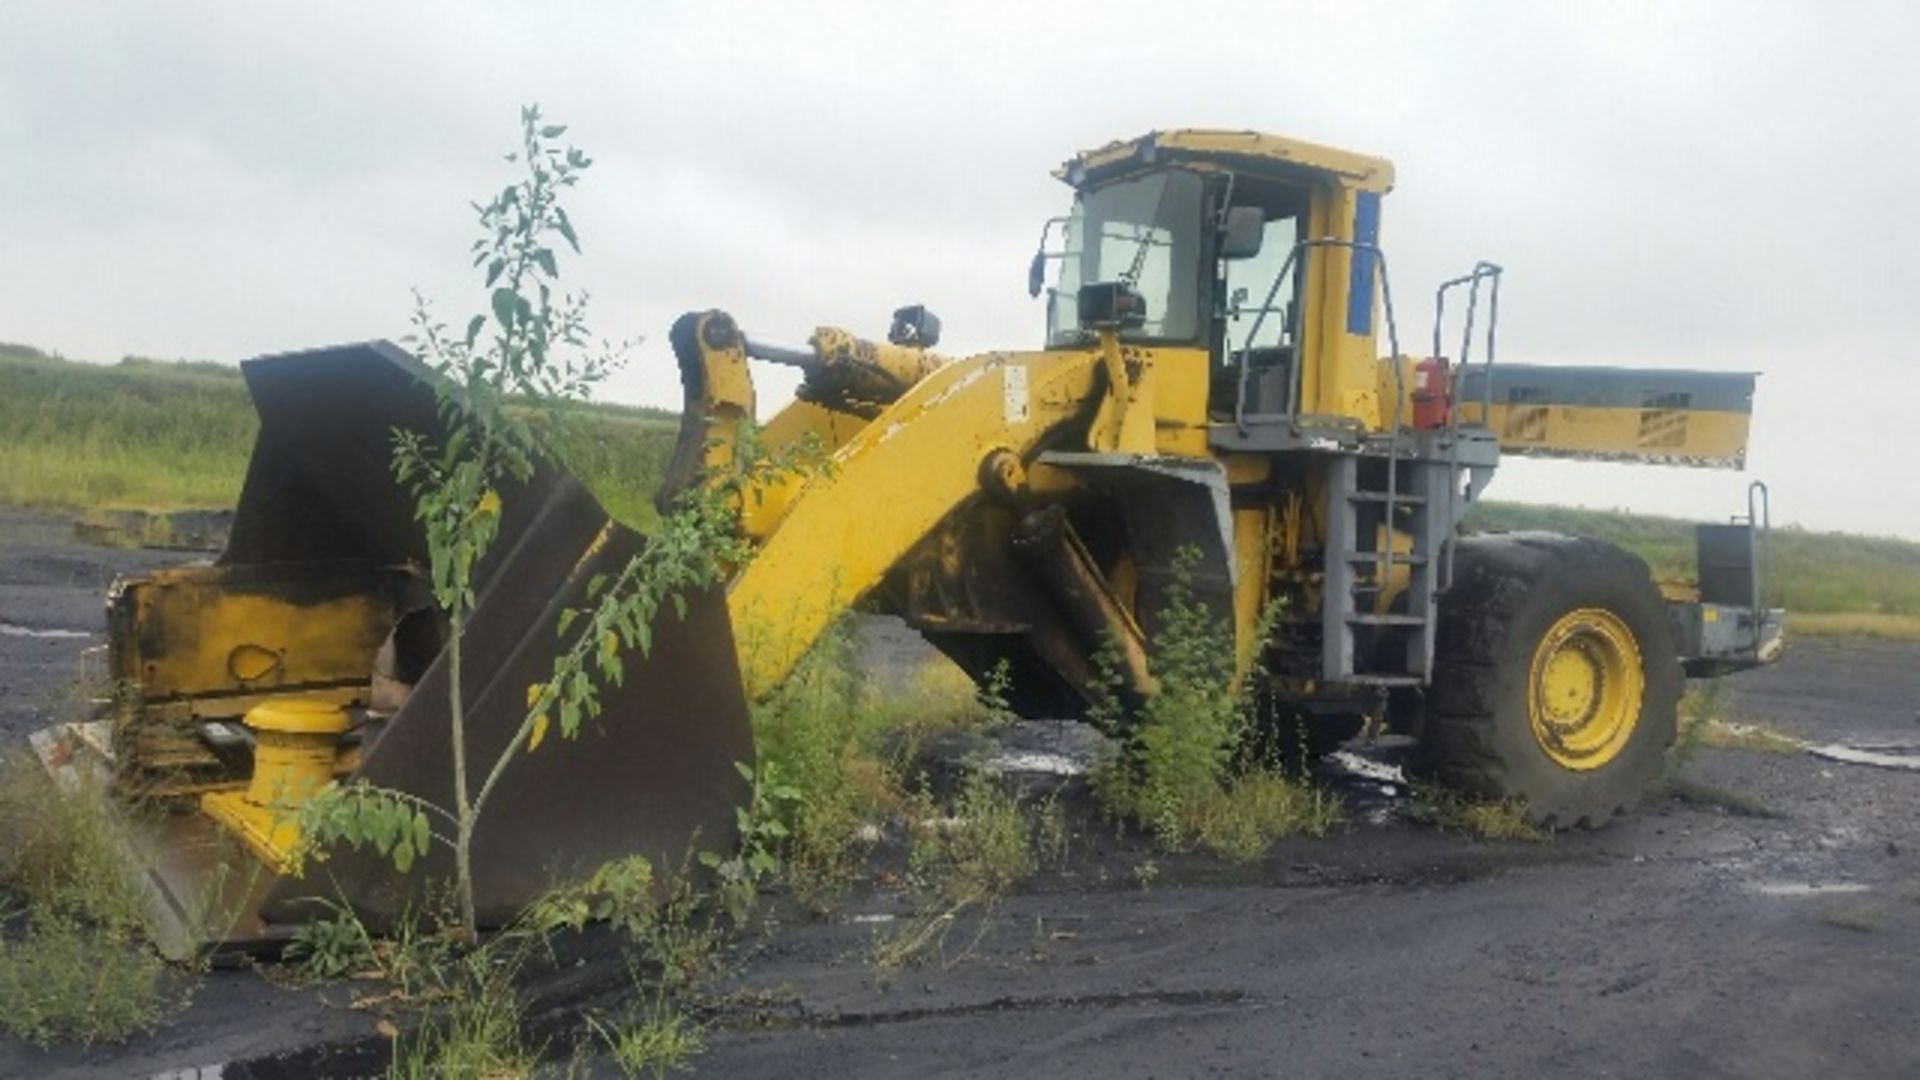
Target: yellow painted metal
728, 401
887, 487
1245, 149
196, 633
1181, 379
1251, 558
295, 753
1124, 420
297, 716
1652, 436
882, 365
1584, 689
1340, 375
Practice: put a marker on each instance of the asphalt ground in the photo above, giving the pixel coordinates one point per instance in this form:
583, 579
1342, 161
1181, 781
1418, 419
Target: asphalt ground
1683, 940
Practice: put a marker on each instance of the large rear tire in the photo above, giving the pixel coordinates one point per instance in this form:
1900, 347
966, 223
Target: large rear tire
1556, 681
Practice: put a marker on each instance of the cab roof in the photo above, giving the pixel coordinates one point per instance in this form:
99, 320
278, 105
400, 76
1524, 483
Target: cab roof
1242, 151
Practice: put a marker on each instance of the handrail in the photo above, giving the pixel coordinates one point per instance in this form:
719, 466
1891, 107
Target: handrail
1291, 413
1482, 271
1760, 531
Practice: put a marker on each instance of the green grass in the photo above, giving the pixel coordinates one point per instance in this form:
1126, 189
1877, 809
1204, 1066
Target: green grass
79, 968
171, 435
1812, 572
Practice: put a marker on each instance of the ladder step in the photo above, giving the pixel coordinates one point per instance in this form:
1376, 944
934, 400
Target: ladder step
1386, 680
1400, 498
1392, 558
1386, 620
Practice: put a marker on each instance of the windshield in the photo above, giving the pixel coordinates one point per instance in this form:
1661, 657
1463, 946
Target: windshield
1145, 233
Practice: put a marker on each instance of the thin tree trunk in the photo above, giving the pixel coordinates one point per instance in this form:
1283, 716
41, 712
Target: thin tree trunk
463, 843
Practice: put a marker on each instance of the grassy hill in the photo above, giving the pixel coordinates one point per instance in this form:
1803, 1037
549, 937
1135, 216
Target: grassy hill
168, 435
160, 435
1812, 571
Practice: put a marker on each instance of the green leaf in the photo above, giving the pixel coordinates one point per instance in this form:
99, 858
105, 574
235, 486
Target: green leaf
505, 304
545, 259
565, 228
403, 857
553, 131
474, 327
494, 270
422, 831
567, 616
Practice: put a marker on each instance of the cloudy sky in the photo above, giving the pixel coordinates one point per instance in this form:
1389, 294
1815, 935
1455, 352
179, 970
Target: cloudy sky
1707, 186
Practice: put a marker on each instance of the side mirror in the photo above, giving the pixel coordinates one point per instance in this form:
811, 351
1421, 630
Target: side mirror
915, 327
1242, 232
1037, 273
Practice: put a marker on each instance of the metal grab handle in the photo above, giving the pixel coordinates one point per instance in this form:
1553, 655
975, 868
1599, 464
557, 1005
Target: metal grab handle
1291, 415
1482, 271
1760, 539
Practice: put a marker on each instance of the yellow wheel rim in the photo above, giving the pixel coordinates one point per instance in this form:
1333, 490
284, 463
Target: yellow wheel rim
1584, 691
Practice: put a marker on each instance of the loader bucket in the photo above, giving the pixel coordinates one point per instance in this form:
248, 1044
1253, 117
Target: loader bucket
318, 597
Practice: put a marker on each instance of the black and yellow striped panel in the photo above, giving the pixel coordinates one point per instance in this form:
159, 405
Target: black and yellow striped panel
1697, 418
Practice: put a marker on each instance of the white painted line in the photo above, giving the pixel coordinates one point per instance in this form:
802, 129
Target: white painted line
1856, 756
1809, 888
10, 630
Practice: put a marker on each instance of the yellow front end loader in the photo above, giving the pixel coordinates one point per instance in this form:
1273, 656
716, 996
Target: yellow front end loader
1223, 397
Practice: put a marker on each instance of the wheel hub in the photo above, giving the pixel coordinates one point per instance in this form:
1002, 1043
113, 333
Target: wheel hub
1585, 688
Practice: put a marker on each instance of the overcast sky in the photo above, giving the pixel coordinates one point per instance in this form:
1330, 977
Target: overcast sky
1727, 187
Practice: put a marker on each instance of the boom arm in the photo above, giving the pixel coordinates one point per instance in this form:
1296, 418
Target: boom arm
960, 429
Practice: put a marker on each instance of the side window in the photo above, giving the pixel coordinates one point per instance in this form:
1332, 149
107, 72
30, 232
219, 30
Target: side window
1251, 281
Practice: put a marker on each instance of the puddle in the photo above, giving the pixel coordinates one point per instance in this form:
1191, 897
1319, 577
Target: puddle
1368, 768
1047, 748
10, 630
1033, 761
1808, 888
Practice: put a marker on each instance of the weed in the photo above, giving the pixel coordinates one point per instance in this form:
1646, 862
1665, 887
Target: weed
1703, 722
67, 981
762, 829
1699, 707
332, 947
81, 970
478, 1036
974, 857
61, 853
1145, 873
654, 1040
1241, 821
925, 934
819, 734
1447, 809
1182, 771
1701, 725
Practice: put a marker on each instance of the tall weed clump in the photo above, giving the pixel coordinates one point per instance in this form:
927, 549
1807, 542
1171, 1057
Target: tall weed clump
79, 967
1182, 771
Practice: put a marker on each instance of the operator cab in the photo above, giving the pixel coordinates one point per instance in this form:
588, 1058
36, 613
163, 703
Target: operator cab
1207, 228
